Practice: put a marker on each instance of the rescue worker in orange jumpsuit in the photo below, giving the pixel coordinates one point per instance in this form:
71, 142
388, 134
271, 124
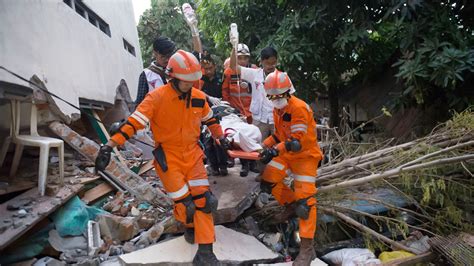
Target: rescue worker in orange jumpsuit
236, 91
292, 148
175, 112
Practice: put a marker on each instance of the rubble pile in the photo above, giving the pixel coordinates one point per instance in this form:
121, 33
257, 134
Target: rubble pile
121, 216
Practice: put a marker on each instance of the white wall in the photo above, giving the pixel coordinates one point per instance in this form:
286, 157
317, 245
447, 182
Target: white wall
74, 58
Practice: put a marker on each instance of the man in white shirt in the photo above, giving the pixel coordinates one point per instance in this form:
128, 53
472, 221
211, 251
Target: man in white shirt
260, 107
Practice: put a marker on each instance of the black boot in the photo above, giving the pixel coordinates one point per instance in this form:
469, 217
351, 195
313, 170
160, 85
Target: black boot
213, 171
223, 170
245, 168
205, 256
253, 167
189, 235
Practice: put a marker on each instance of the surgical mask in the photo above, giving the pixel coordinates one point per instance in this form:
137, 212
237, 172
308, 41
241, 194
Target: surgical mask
280, 103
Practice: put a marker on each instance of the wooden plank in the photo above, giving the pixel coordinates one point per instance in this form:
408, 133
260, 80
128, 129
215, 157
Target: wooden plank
106, 134
97, 192
86, 180
42, 206
146, 167
15, 186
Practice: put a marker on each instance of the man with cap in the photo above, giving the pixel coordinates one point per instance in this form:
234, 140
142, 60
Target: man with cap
154, 75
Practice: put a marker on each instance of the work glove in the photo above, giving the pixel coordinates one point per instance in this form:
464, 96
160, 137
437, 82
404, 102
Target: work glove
225, 143
267, 154
266, 187
103, 158
214, 101
234, 35
249, 119
191, 19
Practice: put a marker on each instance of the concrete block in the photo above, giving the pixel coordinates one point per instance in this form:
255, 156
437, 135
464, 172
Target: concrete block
235, 194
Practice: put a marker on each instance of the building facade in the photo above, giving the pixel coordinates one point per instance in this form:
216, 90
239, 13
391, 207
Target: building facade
80, 49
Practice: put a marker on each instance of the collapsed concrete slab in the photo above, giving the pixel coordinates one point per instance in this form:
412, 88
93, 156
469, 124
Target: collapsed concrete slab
115, 170
235, 194
230, 247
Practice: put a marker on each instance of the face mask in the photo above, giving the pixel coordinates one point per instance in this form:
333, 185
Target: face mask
280, 103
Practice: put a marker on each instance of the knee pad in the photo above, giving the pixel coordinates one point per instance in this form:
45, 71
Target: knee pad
266, 186
293, 145
190, 208
211, 202
302, 209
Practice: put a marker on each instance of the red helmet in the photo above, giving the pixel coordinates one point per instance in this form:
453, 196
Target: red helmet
184, 66
277, 83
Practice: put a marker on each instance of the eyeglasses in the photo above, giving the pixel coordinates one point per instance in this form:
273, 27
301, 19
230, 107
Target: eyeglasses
276, 97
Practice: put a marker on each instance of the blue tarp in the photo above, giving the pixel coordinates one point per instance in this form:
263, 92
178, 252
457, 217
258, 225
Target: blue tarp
71, 219
383, 194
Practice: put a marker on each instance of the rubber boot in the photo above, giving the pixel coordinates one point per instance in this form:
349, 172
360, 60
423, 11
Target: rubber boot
307, 253
205, 256
189, 235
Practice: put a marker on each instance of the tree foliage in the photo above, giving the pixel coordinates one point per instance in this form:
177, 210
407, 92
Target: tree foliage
164, 18
332, 45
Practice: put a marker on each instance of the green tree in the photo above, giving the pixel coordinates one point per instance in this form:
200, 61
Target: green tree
164, 18
334, 44
436, 51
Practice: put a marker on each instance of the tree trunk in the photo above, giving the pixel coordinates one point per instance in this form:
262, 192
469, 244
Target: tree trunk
334, 106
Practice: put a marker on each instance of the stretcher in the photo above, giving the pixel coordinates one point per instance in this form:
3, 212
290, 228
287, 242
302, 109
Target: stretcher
243, 154
253, 155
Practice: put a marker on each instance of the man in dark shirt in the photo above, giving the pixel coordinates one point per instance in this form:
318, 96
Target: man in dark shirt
211, 84
154, 75
211, 81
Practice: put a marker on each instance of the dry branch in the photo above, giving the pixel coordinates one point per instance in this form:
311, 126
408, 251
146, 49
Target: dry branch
367, 230
395, 172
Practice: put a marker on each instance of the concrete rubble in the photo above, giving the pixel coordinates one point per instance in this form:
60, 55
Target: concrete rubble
117, 228
118, 172
138, 228
230, 246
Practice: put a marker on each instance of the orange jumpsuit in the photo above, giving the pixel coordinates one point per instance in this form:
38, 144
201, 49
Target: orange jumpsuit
238, 97
295, 121
176, 127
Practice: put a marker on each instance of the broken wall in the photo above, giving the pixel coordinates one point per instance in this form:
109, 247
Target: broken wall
70, 55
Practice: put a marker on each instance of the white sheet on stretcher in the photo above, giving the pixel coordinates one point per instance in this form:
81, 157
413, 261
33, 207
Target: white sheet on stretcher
247, 136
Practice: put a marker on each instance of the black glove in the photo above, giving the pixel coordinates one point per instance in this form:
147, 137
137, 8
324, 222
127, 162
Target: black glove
267, 155
225, 143
103, 158
266, 186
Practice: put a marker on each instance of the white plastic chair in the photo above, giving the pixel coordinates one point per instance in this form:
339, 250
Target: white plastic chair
34, 139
